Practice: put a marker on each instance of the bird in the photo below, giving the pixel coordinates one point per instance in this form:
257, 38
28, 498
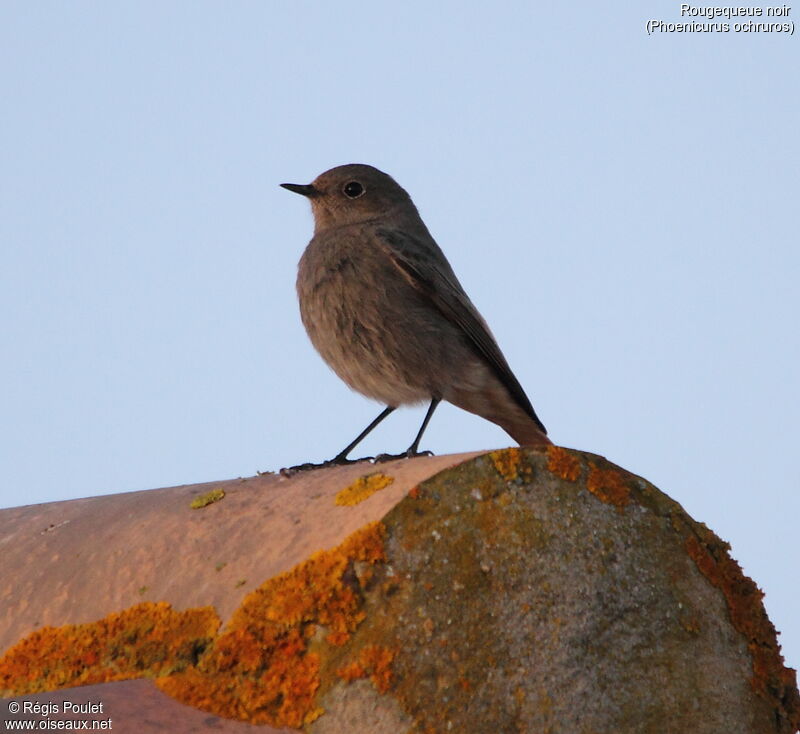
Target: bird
383, 307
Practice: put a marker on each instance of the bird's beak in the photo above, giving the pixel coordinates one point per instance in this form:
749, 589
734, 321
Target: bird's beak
304, 189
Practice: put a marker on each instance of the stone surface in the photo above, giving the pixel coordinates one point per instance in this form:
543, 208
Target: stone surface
76, 561
525, 603
519, 591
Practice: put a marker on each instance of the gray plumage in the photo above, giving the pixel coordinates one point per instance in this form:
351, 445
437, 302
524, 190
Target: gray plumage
384, 309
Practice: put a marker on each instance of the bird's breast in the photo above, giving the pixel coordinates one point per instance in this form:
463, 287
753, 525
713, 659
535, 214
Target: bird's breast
358, 313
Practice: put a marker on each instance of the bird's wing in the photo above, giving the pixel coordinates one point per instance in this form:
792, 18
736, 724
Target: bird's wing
426, 269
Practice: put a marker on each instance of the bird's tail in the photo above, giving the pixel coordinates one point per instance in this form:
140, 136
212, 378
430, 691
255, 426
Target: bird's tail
494, 403
525, 432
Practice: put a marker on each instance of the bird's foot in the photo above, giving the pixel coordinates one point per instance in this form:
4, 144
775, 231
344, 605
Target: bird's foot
290, 471
410, 454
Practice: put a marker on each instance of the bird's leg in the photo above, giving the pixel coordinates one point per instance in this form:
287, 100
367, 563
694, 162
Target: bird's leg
413, 449
341, 457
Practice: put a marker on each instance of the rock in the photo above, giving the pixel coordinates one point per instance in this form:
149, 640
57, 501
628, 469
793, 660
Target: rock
520, 591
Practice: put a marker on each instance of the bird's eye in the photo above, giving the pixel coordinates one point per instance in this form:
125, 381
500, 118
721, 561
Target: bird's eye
353, 189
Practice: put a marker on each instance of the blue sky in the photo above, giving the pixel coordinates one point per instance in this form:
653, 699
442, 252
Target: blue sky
621, 208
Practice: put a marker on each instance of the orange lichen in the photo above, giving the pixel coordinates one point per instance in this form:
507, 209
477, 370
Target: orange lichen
771, 678
362, 488
563, 464
414, 493
274, 685
511, 464
374, 661
260, 668
351, 672
145, 640
609, 485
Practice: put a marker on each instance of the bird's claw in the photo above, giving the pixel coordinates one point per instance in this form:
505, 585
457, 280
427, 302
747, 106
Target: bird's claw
290, 471
381, 458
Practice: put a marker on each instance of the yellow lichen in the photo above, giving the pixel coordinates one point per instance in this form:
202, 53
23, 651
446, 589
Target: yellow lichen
260, 668
147, 639
563, 464
609, 485
511, 464
215, 495
362, 488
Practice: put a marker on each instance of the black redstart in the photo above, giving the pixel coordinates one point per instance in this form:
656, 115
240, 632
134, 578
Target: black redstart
384, 309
